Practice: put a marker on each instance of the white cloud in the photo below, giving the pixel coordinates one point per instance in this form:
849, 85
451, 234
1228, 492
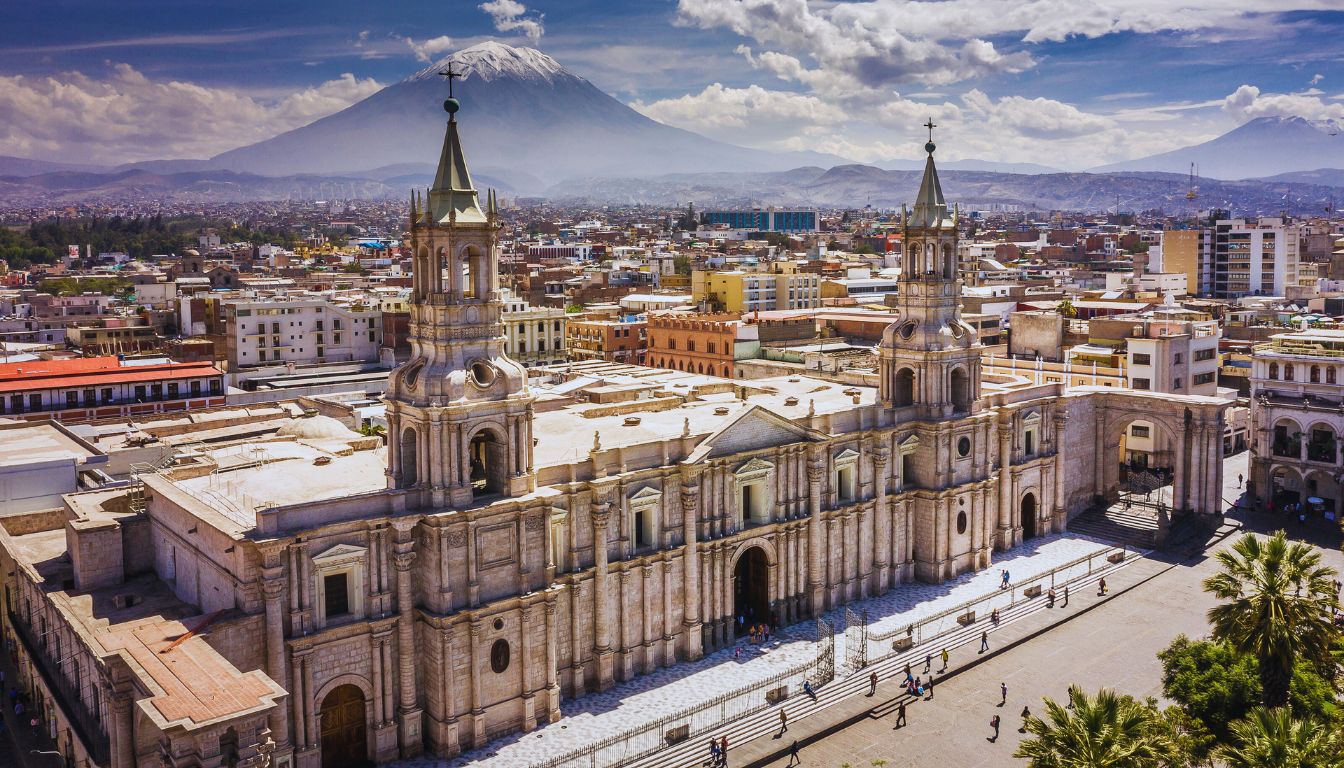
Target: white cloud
1316, 78
1247, 102
508, 16
427, 50
745, 115
1037, 118
128, 117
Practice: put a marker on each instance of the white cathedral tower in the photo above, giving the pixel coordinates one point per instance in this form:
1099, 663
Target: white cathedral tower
459, 410
930, 358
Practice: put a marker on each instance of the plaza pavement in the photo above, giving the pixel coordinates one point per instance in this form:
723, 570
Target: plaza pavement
645, 699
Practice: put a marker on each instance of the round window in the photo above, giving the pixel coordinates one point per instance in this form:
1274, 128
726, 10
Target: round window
482, 374
963, 446
499, 656
961, 528
499, 624
907, 330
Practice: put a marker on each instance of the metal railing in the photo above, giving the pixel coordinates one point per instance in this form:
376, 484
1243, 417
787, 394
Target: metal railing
949, 620
644, 740
66, 694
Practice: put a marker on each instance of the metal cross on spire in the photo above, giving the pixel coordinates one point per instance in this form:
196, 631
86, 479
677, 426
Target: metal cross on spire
930, 125
451, 75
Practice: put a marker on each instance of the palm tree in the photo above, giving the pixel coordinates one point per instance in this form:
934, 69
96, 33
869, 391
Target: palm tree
1108, 731
1272, 738
1276, 607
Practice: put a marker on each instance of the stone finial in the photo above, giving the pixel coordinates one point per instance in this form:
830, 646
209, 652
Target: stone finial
686, 427
597, 442
811, 407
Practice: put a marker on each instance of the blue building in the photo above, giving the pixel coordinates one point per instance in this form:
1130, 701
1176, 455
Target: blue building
768, 220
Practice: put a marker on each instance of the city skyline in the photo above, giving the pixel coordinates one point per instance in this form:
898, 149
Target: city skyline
1024, 83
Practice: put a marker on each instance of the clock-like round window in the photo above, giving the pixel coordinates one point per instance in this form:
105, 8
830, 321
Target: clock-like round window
964, 446
482, 374
961, 522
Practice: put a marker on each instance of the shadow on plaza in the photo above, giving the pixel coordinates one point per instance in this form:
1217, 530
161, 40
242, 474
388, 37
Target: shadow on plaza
1326, 534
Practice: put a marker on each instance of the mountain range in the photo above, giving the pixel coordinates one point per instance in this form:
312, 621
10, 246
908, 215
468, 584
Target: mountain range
534, 128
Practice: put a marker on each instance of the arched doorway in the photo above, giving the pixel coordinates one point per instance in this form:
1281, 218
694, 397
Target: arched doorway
489, 464
903, 388
751, 588
961, 390
408, 456
343, 728
1028, 516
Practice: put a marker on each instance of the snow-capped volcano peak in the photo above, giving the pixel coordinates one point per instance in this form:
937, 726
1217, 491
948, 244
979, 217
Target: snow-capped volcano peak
491, 60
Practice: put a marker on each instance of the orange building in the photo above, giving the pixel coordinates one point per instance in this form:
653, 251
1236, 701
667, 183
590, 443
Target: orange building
697, 343
616, 341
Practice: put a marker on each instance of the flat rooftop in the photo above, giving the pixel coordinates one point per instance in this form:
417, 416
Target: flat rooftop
32, 443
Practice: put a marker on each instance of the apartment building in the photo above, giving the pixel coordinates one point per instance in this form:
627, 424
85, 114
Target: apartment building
536, 335
614, 340
1190, 252
1254, 257
695, 342
764, 220
85, 389
301, 329
746, 292
1297, 418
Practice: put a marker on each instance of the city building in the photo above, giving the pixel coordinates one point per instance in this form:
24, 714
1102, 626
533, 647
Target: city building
90, 388
309, 601
767, 220
300, 329
1190, 252
1297, 420
618, 340
694, 342
1254, 257
536, 335
747, 292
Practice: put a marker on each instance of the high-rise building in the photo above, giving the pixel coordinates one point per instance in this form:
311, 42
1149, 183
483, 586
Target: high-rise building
767, 220
1254, 257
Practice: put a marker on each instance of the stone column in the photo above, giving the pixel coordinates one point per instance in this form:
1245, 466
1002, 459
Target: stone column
1005, 526
379, 713
122, 733
436, 462
669, 637
690, 566
1099, 455
273, 589
623, 627
577, 683
552, 663
526, 616
882, 519
645, 612
601, 515
1061, 512
477, 666
1180, 481
408, 713
816, 582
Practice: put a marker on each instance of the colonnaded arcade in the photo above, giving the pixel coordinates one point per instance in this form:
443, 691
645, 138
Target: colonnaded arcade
512, 551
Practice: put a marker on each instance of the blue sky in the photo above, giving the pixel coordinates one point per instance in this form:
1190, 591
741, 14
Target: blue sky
1070, 83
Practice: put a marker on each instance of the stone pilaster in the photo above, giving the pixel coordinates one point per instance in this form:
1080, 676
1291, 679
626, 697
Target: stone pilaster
601, 515
408, 711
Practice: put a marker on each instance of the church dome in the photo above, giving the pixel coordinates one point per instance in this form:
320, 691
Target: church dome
316, 428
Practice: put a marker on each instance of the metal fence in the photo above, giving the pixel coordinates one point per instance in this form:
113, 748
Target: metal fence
950, 620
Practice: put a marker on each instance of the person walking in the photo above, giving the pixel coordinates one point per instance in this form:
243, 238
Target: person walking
930, 696
793, 755
872, 683
807, 688
783, 722
984, 641
928, 662
1026, 715
723, 750
945, 656
713, 752
1003, 690
907, 671
900, 715
994, 723
1066, 595
1101, 587
1239, 479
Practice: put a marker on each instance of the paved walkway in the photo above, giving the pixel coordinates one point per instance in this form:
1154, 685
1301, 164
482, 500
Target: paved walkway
648, 698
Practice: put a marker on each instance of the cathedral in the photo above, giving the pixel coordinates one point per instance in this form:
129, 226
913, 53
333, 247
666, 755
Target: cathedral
515, 549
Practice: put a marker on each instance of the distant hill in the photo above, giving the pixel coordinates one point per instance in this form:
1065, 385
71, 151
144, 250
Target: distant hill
1331, 177
989, 166
524, 119
22, 166
1265, 146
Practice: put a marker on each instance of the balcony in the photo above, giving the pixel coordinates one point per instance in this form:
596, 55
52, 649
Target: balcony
87, 726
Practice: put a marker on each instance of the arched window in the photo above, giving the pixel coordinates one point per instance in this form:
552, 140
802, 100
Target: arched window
1329, 375
408, 456
1288, 372
1315, 374
1274, 370
903, 388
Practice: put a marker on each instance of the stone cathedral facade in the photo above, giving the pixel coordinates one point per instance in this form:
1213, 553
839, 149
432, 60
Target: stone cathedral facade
516, 549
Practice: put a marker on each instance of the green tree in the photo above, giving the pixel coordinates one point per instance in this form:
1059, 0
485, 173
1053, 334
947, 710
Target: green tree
1066, 309
1276, 607
1105, 731
681, 264
1212, 683
1273, 738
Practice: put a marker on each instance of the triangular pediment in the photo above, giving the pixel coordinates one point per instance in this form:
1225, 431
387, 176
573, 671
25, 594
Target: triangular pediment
647, 493
754, 466
751, 430
910, 442
340, 552
849, 454
1034, 416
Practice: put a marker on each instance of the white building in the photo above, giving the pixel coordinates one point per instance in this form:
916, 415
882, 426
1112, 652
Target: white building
536, 335
301, 329
1258, 257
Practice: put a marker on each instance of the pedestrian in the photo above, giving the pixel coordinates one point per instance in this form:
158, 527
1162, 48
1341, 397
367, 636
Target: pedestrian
907, 670
18, 708
807, 688
930, 689
33, 723
1101, 587
1066, 595
1050, 598
984, 641
1003, 689
793, 754
945, 657
994, 617
928, 662
1239, 479
994, 723
1007, 579
723, 750
1026, 715
872, 683
713, 752
900, 714
783, 722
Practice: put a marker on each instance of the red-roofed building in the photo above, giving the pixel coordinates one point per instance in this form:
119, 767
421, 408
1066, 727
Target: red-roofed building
92, 388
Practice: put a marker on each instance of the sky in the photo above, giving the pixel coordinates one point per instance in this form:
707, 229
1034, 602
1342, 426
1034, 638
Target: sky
1066, 83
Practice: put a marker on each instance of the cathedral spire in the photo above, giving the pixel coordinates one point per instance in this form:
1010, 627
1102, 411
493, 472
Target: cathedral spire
453, 197
930, 208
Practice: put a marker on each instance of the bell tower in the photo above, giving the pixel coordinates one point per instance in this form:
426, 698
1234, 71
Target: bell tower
930, 358
459, 411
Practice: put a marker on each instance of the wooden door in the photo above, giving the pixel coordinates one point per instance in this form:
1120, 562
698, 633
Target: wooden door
344, 732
